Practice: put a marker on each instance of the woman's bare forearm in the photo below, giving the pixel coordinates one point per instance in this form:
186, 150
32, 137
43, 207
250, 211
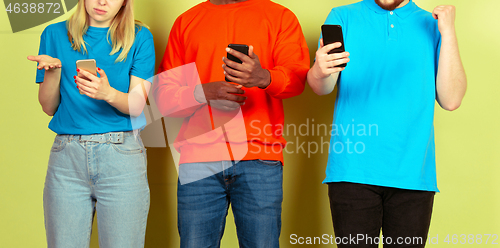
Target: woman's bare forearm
49, 91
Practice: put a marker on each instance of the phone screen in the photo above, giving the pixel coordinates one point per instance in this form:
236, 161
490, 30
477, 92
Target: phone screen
240, 48
332, 34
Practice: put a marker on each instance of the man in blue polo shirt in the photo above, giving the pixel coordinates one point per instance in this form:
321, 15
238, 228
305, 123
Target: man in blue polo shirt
381, 171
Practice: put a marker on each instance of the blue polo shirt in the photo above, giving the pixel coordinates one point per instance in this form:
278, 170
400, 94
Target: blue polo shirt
383, 131
80, 114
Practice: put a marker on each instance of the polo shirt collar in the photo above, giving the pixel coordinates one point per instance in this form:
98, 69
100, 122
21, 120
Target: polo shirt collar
402, 12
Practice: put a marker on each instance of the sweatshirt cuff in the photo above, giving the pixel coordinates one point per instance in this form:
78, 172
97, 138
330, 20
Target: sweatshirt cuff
188, 99
277, 83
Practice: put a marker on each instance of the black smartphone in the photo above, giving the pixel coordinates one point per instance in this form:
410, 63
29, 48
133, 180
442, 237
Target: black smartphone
332, 34
240, 48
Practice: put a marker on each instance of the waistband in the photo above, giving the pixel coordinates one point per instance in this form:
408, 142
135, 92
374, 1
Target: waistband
111, 137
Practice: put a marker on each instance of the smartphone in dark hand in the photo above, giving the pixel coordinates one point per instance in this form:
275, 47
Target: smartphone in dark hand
332, 34
240, 48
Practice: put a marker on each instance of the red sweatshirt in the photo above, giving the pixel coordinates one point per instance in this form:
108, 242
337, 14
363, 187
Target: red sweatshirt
194, 54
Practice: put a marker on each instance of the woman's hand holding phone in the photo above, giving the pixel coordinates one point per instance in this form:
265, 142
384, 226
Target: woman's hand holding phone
93, 86
46, 62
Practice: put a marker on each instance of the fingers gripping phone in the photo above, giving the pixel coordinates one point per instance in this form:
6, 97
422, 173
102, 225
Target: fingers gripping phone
87, 65
240, 48
332, 34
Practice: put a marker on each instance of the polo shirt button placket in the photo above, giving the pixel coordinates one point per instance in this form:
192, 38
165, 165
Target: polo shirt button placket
391, 19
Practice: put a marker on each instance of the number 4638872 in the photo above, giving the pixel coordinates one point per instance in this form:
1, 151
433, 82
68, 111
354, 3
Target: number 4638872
471, 239
32, 8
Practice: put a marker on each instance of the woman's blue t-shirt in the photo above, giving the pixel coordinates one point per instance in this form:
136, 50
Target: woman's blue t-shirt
79, 114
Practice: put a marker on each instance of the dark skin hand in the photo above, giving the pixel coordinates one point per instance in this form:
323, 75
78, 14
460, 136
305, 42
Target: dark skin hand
249, 73
221, 95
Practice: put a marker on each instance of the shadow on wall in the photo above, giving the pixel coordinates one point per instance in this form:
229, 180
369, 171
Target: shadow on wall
162, 221
306, 210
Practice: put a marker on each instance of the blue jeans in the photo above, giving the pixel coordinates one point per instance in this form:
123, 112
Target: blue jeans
103, 173
254, 190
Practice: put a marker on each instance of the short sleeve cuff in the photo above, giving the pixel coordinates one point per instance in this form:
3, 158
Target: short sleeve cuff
146, 76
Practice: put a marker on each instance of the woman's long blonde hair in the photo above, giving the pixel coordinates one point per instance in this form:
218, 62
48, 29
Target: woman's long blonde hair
121, 33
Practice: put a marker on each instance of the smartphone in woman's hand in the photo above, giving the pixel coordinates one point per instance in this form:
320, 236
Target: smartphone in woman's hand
87, 65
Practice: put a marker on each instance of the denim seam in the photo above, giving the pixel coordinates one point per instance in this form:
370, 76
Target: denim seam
60, 145
268, 162
135, 151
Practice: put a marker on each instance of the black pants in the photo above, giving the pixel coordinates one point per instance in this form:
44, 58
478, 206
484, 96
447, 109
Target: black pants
359, 211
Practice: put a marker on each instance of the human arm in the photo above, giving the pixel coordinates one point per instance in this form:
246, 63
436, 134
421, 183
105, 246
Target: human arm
49, 89
323, 76
451, 81
131, 103
175, 83
136, 78
221, 95
285, 77
178, 90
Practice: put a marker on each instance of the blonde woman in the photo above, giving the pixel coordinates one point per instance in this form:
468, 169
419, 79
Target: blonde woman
97, 163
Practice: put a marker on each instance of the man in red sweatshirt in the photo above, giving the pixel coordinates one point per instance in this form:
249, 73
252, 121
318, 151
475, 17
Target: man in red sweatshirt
231, 142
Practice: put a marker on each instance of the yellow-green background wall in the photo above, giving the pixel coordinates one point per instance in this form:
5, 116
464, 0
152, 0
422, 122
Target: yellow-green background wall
467, 140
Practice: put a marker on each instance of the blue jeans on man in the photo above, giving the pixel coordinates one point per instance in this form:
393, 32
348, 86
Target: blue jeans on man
253, 188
